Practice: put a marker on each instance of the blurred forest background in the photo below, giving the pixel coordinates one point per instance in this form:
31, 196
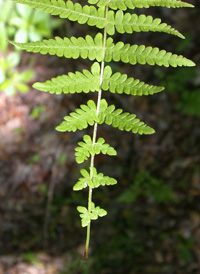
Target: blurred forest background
153, 221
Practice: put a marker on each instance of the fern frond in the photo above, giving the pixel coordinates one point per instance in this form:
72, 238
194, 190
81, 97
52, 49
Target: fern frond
132, 22
120, 83
97, 180
89, 81
89, 47
123, 121
84, 116
142, 55
93, 49
86, 149
73, 82
93, 214
95, 17
111, 16
132, 4
87, 115
69, 10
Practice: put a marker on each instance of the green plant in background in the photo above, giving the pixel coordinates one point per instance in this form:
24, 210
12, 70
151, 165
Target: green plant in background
32, 25
38, 111
184, 248
182, 81
12, 80
146, 185
6, 8
109, 16
23, 23
30, 258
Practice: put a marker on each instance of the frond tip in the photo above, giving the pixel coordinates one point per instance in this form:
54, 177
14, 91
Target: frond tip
120, 83
142, 55
128, 23
123, 121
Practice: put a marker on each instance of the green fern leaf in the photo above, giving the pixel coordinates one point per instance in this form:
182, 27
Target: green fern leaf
86, 148
84, 116
87, 115
95, 17
89, 81
123, 121
142, 55
96, 210
132, 22
119, 83
93, 49
97, 180
132, 4
73, 82
102, 49
69, 48
87, 216
71, 11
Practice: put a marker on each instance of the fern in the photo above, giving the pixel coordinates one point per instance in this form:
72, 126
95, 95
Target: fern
93, 214
86, 149
89, 81
93, 49
95, 17
87, 115
132, 4
73, 82
111, 17
94, 182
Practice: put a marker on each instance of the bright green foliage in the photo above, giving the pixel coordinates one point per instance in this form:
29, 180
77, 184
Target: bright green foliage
95, 17
73, 82
6, 8
87, 216
89, 81
120, 83
109, 16
69, 48
23, 23
123, 121
87, 148
11, 80
93, 49
98, 179
142, 55
87, 115
128, 23
132, 4
84, 116
29, 24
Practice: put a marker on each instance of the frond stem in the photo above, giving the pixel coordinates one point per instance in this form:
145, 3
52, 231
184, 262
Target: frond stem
95, 129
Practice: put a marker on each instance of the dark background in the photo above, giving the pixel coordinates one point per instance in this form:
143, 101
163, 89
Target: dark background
153, 221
